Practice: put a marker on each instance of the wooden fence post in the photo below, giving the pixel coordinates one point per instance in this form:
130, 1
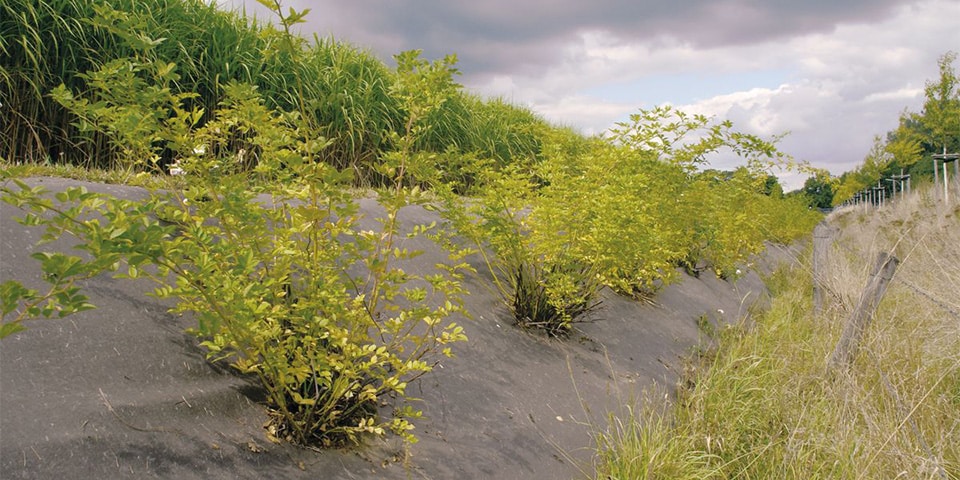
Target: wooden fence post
822, 240
846, 350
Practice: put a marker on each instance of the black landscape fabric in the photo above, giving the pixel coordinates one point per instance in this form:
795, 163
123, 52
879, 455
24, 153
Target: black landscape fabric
122, 392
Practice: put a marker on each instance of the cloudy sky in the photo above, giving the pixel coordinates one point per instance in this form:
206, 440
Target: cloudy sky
832, 73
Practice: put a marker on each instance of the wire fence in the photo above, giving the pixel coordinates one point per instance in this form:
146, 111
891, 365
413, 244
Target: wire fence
933, 211
890, 189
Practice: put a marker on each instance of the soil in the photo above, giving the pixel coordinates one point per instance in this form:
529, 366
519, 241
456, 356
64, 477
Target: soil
122, 392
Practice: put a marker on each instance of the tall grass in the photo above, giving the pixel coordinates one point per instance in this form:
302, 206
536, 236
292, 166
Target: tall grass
43, 44
764, 405
351, 100
345, 92
493, 129
48, 43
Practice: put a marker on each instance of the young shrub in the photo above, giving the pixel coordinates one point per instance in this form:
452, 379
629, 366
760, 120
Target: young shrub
272, 288
265, 249
719, 213
611, 208
541, 291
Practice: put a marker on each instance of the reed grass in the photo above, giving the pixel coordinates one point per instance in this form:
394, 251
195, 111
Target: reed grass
345, 92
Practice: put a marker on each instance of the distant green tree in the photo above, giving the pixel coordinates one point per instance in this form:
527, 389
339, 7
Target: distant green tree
819, 190
941, 110
772, 187
877, 161
906, 143
934, 129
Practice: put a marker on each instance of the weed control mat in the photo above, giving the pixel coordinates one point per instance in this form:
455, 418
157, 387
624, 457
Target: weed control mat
122, 392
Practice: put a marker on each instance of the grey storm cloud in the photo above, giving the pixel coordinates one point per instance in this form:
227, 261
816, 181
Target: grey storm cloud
832, 73
521, 36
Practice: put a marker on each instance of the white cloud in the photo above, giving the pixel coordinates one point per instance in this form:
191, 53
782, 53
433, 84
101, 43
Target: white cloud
839, 89
590, 115
906, 95
833, 73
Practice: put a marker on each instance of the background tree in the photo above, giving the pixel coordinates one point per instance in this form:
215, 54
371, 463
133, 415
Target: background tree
876, 165
941, 111
819, 190
772, 187
935, 128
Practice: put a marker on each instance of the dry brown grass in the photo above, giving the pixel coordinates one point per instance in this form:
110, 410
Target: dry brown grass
910, 366
765, 404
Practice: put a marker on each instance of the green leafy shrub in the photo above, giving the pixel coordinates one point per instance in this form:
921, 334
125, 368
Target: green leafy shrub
270, 285
495, 224
725, 233
736, 219
613, 209
786, 219
263, 242
61, 272
723, 217
620, 212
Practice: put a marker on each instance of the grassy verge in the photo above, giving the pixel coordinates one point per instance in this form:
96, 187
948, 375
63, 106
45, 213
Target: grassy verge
764, 405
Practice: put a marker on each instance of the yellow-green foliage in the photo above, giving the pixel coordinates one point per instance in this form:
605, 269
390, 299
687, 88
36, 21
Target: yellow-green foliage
735, 220
269, 258
621, 212
614, 209
261, 236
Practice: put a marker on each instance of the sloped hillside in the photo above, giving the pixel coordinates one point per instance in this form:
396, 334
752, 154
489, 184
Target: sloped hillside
122, 392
